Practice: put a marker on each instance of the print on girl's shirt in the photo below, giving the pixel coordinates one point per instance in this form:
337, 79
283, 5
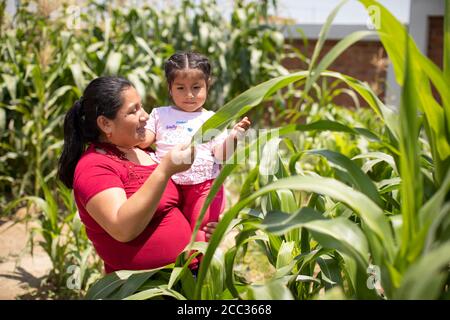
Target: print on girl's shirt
175, 134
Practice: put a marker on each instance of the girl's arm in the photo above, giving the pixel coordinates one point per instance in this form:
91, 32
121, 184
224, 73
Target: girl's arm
124, 219
223, 151
149, 139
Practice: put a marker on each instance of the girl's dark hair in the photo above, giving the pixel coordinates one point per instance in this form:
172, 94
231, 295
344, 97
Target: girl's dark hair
102, 96
187, 60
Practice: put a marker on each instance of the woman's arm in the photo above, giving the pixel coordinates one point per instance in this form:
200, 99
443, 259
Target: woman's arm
124, 219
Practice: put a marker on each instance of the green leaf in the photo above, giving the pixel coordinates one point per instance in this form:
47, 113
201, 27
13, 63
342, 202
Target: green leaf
334, 53
57, 94
390, 117
2, 120
143, 44
214, 283
285, 254
331, 272
174, 276
342, 235
113, 62
274, 290
10, 83
278, 222
430, 216
38, 82
359, 179
106, 286
338, 233
132, 284
251, 178
370, 213
51, 209
381, 156
323, 34
183, 274
411, 186
156, 292
269, 164
287, 199
77, 75
425, 279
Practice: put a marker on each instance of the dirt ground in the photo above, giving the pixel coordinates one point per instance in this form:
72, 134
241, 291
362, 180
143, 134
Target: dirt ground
20, 273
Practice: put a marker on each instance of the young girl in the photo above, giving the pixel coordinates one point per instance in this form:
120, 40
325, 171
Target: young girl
188, 75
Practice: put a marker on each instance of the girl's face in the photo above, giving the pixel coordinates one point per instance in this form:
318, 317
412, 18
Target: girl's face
189, 90
128, 128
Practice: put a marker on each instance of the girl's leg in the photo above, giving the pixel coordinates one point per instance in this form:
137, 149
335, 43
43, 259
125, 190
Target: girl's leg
194, 198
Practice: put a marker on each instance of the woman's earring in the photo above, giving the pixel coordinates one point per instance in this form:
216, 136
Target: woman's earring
109, 135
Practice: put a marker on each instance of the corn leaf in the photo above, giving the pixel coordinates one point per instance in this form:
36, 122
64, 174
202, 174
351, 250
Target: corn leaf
426, 277
156, 292
375, 223
339, 234
411, 186
359, 179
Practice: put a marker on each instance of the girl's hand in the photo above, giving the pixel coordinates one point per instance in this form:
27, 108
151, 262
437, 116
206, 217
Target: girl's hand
239, 129
179, 159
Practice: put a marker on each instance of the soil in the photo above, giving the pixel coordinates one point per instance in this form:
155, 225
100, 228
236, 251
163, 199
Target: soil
21, 273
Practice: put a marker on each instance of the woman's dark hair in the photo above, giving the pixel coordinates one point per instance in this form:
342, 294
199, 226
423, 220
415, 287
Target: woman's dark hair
187, 60
102, 96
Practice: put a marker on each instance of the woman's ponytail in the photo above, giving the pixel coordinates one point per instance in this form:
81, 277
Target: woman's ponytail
74, 143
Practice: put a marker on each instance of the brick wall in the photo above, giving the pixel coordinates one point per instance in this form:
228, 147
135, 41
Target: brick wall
365, 60
435, 50
436, 39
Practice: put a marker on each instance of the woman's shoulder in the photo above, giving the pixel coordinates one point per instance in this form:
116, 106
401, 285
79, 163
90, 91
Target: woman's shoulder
96, 172
94, 159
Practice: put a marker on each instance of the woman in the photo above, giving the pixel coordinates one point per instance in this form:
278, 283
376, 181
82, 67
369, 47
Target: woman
127, 202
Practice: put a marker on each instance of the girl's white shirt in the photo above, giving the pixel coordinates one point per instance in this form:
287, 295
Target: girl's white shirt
173, 126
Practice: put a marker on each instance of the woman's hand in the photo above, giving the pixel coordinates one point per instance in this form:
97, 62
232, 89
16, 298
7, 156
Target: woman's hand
179, 159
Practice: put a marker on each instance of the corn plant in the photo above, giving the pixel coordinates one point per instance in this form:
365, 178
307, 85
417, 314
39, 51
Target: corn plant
74, 263
399, 258
342, 231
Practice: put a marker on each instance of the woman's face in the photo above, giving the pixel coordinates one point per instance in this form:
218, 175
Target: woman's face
127, 129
